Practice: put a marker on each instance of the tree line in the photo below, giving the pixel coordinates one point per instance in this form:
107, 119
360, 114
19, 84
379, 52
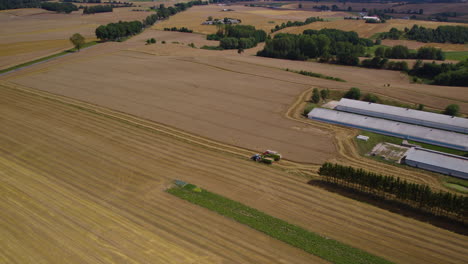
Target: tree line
81, 1
402, 52
442, 74
325, 44
97, 9
59, 7
442, 34
238, 36
296, 23
14, 4
393, 188
182, 29
117, 31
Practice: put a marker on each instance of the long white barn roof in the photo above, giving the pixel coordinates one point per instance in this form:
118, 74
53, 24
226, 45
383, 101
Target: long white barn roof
395, 128
435, 158
404, 112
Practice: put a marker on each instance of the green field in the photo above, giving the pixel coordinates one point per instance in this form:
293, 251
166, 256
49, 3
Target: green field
328, 249
456, 55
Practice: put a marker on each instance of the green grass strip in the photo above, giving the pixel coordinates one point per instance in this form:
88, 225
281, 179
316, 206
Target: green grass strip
456, 55
328, 249
89, 44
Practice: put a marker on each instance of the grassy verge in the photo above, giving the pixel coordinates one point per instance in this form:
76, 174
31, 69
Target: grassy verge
328, 249
317, 75
89, 44
374, 138
456, 55
309, 106
457, 184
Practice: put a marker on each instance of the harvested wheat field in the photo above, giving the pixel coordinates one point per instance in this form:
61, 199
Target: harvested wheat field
193, 95
28, 34
259, 17
366, 30
85, 184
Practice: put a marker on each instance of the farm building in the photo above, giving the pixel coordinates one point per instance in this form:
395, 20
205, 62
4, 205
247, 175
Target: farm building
411, 116
392, 128
444, 163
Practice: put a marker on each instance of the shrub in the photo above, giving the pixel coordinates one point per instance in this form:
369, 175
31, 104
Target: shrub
353, 93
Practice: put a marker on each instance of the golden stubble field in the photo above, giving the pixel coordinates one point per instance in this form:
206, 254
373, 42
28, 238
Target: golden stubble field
366, 30
27, 34
81, 183
261, 18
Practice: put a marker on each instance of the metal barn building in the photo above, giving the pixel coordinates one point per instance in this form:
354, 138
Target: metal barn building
444, 163
393, 128
411, 116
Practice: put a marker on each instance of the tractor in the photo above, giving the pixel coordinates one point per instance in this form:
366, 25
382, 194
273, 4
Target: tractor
267, 157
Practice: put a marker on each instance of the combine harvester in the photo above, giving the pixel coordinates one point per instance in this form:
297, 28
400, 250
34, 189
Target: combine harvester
267, 157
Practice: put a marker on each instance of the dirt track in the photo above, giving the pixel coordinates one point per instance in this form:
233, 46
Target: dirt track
93, 186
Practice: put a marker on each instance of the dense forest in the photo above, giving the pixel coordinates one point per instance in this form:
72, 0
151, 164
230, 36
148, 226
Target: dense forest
442, 34
59, 7
97, 9
325, 44
393, 188
238, 36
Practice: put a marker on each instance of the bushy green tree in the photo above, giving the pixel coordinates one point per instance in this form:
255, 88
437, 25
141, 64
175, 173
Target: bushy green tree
315, 96
452, 110
325, 93
371, 98
77, 40
353, 93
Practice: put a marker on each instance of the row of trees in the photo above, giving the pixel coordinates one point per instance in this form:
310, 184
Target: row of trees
165, 12
238, 36
296, 23
116, 31
384, 63
393, 188
317, 95
59, 7
325, 44
97, 9
82, 1
442, 34
182, 29
442, 74
13, 4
